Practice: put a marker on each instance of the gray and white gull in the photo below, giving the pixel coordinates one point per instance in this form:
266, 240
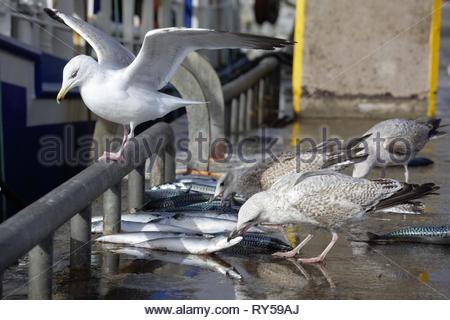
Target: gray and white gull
326, 199
331, 154
124, 89
396, 142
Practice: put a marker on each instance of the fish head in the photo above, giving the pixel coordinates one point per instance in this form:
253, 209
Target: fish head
233, 274
97, 227
222, 242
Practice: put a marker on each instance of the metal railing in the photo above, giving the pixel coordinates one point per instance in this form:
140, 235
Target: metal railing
31, 230
248, 97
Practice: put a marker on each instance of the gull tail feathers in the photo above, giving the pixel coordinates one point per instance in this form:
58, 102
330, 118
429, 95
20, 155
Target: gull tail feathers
353, 152
408, 193
178, 102
434, 125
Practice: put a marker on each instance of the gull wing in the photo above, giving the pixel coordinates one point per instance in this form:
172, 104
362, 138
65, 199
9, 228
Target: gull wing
164, 50
108, 50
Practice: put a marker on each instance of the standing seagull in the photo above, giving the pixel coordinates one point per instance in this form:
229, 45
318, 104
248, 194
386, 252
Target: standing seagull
396, 141
123, 88
323, 198
330, 154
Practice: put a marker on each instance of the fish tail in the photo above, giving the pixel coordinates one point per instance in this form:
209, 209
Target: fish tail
346, 156
372, 236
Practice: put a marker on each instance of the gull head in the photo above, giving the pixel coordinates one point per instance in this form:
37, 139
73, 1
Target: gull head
225, 186
251, 213
76, 71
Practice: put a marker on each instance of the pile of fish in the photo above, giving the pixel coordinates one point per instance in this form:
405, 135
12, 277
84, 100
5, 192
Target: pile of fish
180, 217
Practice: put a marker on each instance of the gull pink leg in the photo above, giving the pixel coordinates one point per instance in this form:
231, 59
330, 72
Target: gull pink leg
117, 156
321, 257
293, 252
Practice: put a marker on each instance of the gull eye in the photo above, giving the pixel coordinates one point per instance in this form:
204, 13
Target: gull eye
74, 74
222, 184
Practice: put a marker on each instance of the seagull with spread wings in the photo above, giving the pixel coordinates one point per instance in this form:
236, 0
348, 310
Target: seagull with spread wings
124, 89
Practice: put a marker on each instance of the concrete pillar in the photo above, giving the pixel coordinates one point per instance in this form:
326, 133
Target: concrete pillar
80, 237
157, 174
169, 164
112, 205
136, 186
365, 58
40, 270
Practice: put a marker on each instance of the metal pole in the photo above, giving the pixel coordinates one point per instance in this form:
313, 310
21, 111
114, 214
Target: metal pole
136, 187
242, 107
233, 88
40, 270
111, 209
1, 285
234, 116
261, 103
80, 237
249, 111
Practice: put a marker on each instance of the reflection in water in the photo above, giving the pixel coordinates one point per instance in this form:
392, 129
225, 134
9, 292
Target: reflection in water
110, 266
209, 262
423, 276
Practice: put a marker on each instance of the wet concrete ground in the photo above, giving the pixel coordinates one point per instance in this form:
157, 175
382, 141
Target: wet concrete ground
353, 270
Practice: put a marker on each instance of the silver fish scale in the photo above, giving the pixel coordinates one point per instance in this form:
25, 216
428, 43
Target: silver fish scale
441, 231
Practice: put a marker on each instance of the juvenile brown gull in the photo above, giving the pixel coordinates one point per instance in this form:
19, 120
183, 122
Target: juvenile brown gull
326, 199
396, 141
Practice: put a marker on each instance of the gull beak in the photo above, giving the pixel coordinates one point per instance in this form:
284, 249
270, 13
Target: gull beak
234, 234
62, 93
215, 196
241, 231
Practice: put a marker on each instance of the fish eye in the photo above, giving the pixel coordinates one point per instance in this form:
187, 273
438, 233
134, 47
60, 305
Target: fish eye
74, 74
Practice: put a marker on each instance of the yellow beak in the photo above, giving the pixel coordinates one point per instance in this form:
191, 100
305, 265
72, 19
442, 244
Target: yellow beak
61, 94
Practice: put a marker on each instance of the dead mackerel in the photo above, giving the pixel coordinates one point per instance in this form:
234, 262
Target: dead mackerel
198, 224
190, 244
142, 217
423, 234
131, 226
136, 237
